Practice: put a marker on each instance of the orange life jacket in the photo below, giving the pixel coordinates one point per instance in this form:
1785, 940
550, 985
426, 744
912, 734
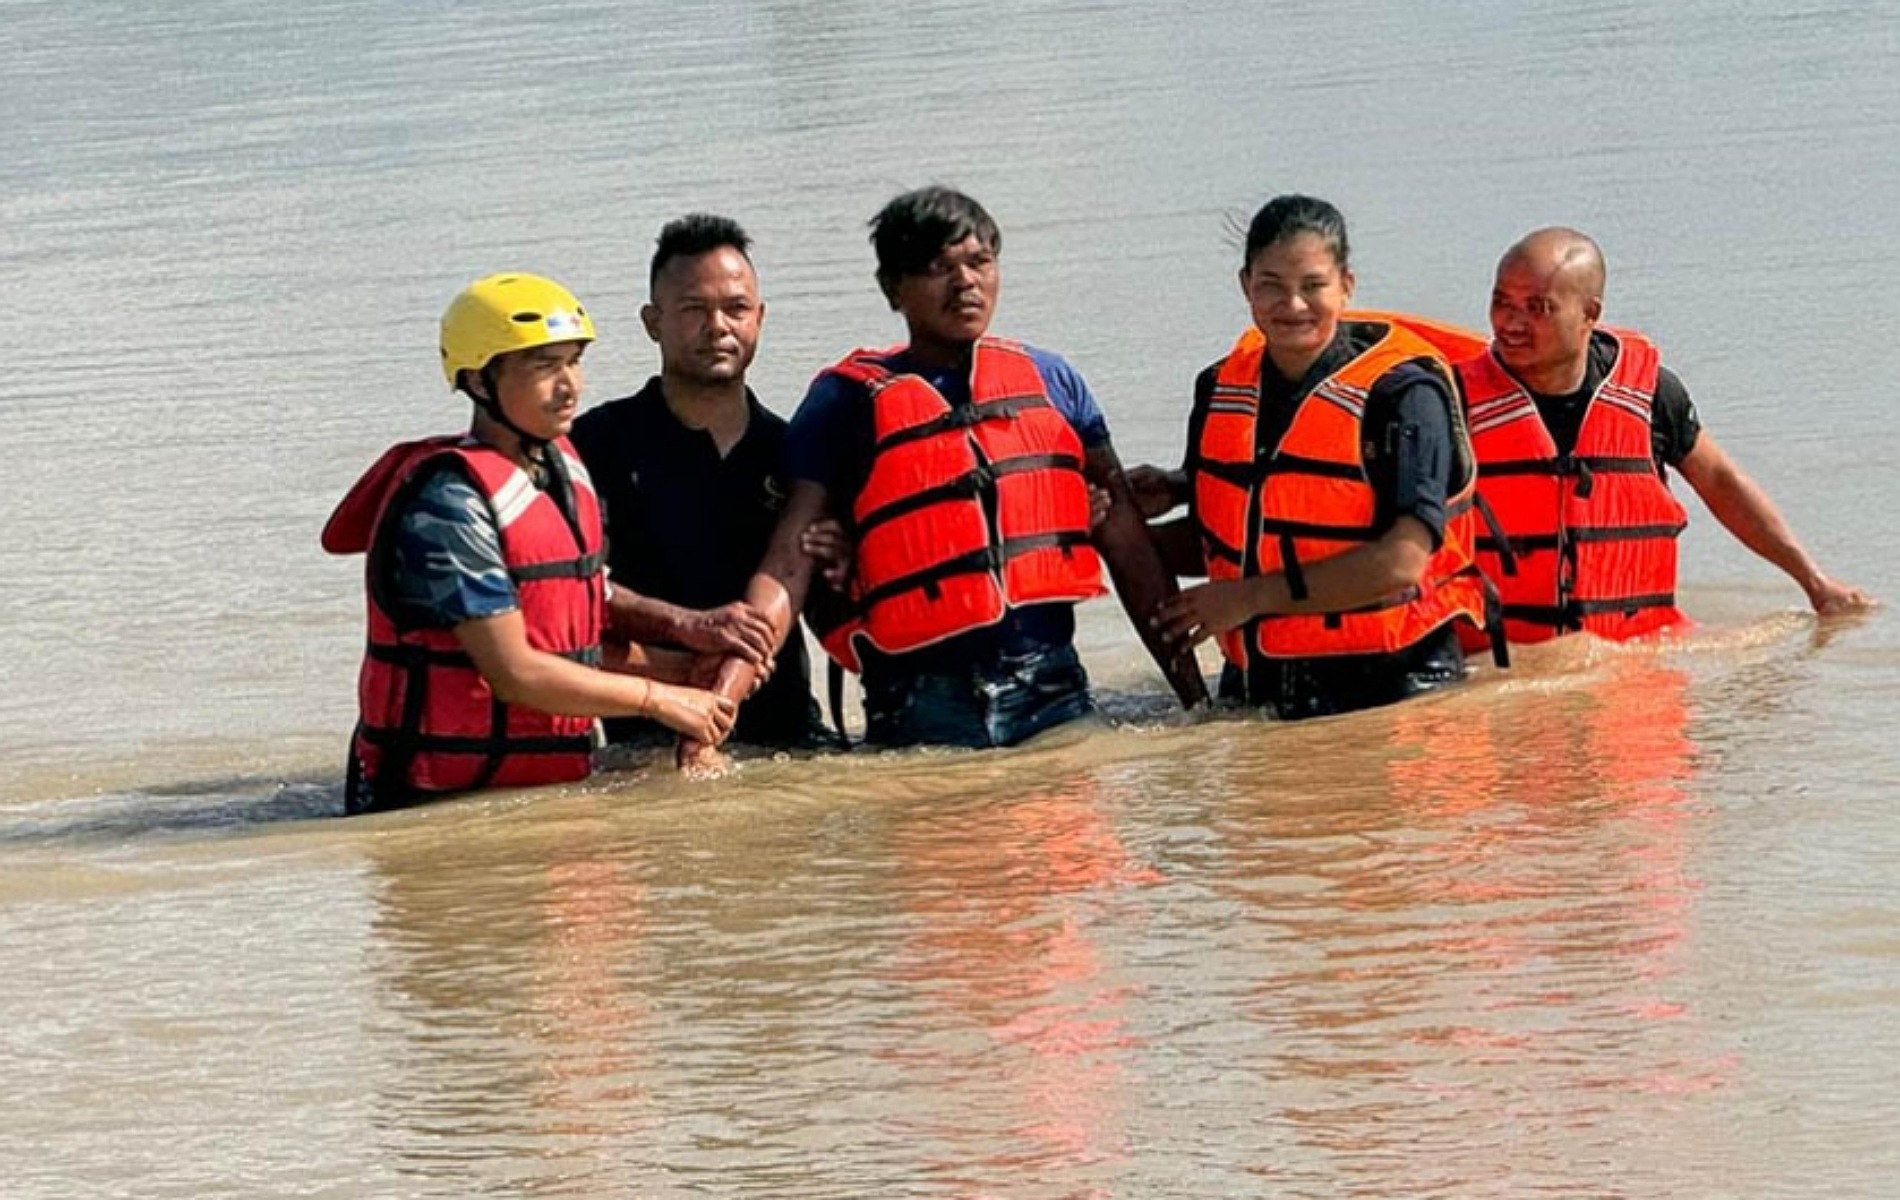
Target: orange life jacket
1310, 499
1592, 533
967, 510
429, 723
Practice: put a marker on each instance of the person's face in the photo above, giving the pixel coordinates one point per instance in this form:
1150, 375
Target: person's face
950, 302
1297, 291
539, 389
1541, 318
705, 316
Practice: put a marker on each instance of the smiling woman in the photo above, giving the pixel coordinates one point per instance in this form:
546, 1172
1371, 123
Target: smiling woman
1331, 476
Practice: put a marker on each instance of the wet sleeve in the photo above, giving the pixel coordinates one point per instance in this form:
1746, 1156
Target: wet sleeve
1069, 392
1674, 425
1417, 442
820, 439
448, 565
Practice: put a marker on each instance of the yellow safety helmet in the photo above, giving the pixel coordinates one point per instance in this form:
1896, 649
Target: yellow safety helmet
507, 312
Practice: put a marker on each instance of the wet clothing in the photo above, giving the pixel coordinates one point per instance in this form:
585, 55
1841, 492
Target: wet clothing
1589, 521
831, 442
688, 526
1411, 460
1006, 700
429, 724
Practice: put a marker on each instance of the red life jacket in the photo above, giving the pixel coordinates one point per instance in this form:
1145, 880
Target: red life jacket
429, 723
1310, 499
1593, 533
968, 510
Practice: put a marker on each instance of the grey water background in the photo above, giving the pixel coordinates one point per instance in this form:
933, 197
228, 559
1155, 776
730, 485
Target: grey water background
1616, 923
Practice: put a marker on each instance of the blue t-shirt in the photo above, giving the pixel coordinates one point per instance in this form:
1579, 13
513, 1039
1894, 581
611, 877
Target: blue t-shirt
829, 443
830, 433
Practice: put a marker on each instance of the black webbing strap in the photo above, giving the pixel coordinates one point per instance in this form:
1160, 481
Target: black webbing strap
411, 655
960, 416
1555, 616
408, 656
1498, 543
1624, 533
1212, 548
583, 567
974, 562
443, 744
1297, 464
400, 745
1519, 544
1584, 468
1627, 606
1291, 568
968, 485
496, 744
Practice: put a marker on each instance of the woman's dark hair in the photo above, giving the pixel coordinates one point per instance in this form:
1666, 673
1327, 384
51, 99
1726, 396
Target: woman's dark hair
1284, 217
913, 229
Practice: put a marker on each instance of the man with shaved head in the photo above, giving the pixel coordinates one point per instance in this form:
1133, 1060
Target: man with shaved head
1576, 425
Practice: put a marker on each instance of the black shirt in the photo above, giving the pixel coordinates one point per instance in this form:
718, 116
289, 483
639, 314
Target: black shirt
689, 527
1674, 425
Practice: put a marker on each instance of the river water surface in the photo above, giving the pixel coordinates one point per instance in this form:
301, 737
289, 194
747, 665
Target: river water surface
1616, 923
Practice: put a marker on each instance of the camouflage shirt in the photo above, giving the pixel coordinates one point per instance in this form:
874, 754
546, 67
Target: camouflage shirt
447, 566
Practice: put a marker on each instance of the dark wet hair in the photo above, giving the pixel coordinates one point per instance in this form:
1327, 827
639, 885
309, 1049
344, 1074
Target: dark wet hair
693, 235
913, 229
1285, 217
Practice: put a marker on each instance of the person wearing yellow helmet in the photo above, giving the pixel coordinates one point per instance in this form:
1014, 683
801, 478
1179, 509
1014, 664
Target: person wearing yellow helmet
487, 598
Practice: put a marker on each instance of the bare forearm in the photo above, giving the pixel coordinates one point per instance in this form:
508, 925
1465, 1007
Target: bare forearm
1362, 576
670, 666
552, 684
777, 589
1745, 510
638, 618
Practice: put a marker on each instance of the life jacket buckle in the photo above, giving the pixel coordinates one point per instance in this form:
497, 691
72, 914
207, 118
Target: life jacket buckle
1586, 480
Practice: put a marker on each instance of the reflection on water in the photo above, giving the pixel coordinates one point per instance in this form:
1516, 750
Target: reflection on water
982, 989
1491, 950
515, 997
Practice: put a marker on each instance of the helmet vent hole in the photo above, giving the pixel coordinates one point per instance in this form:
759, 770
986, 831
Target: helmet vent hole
525, 318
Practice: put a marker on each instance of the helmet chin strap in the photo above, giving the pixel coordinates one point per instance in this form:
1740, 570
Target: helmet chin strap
488, 401
552, 475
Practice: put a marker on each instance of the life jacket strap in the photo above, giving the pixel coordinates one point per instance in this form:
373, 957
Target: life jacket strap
1625, 533
960, 416
1498, 543
396, 740
966, 486
568, 568
986, 560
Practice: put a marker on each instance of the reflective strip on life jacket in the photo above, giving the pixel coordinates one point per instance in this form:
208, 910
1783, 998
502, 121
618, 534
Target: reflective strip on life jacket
1309, 499
428, 721
966, 510
1594, 531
